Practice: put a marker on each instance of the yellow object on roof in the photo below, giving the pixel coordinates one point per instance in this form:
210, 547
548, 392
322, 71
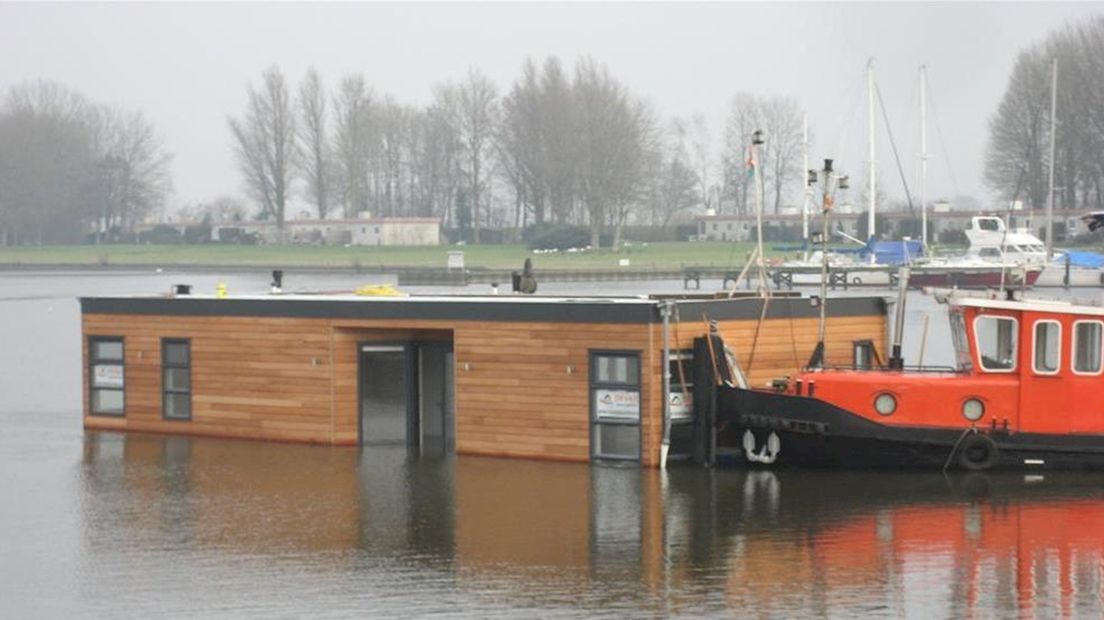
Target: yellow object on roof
379, 290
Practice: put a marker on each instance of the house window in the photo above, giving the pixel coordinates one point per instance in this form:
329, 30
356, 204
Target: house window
615, 405
681, 396
176, 379
106, 376
1086, 347
996, 340
1048, 343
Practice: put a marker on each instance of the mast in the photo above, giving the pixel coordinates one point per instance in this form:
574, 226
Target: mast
805, 186
871, 232
923, 159
756, 140
1050, 174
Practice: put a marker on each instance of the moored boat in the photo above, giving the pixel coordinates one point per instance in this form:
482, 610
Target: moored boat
1023, 394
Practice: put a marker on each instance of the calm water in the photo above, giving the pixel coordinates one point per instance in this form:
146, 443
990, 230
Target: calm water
104, 524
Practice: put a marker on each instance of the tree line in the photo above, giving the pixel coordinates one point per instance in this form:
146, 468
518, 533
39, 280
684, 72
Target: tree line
1018, 156
560, 145
72, 168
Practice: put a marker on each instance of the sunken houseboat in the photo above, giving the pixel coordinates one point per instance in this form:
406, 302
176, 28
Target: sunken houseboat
565, 378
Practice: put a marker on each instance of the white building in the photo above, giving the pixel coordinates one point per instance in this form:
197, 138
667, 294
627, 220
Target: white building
366, 231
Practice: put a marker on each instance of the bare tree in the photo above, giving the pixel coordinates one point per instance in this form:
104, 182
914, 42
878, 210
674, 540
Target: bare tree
559, 133
744, 117
518, 144
473, 111
614, 136
779, 118
390, 155
353, 141
676, 183
264, 139
781, 153
701, 158
132, 168
1019, 132
315, 156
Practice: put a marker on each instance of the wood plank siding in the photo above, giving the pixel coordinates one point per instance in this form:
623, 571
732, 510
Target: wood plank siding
521, 387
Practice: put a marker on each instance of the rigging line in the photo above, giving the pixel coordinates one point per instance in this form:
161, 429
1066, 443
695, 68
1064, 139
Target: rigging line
954, 449
893, 145
942, 142
849, 121
755, 338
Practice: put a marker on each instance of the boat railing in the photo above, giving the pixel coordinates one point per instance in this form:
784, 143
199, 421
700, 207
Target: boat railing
883, 368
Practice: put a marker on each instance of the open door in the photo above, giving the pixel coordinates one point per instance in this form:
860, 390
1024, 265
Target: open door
435, 397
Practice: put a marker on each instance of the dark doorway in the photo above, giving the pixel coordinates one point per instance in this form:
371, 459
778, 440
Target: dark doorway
406, 395
385, 394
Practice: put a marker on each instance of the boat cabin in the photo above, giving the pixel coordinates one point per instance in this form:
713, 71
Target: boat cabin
991, 240
568, 378
1021, 367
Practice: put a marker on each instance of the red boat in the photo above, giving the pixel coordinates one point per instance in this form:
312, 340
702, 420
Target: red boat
1025, 394
980, 276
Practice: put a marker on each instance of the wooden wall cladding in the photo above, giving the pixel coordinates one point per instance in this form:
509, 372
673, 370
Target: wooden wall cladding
522, 389
251, 378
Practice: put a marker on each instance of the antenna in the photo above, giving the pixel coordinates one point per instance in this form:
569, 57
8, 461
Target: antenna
870, 222
923, 160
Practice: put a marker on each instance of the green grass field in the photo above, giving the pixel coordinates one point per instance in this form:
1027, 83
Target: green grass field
654, 255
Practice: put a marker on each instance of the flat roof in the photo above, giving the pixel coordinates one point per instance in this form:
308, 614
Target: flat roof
519, 308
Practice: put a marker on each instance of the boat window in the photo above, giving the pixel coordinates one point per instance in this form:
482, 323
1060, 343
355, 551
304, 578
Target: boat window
106, 376
988, 224
989, 252
996, 339
959, 341
1048, 343
1086, 347
615, 404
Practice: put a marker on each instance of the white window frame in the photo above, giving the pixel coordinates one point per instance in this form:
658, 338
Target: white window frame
1034, 350
977, 343
1073, 350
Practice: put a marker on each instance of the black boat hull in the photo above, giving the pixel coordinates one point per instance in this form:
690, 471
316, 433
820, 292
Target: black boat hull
809, 432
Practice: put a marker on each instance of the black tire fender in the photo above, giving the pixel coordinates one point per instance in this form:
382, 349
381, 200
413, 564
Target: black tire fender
978, 452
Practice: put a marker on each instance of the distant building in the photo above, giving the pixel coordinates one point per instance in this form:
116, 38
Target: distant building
389, 231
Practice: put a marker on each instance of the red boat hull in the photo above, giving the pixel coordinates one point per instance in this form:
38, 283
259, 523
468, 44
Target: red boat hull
973, 277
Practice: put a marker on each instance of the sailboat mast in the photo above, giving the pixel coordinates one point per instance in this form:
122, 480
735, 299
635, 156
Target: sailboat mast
1050, 180
805, 186
923, 159
871, 233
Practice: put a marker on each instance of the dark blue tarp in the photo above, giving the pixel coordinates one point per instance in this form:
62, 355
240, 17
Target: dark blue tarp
885, 252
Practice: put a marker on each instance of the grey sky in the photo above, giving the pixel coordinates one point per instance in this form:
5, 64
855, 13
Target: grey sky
187, 65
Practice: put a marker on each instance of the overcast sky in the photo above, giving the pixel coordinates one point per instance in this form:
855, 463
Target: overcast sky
187, 65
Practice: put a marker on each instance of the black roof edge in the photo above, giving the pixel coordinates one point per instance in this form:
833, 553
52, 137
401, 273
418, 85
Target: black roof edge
552, 311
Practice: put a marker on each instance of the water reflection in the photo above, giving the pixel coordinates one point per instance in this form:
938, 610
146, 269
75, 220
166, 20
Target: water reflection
419, 535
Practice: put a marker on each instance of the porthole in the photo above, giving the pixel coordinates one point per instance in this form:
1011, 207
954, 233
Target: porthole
973, 409
885, 404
